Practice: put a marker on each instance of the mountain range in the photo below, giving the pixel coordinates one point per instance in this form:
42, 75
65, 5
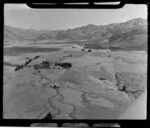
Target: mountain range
131, 34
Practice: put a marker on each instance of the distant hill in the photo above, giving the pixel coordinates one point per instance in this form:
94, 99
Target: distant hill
131, 34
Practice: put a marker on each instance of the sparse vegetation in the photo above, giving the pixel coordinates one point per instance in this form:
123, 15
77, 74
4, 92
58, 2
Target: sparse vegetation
43, 65
82, 49
55, 86
36, 57
102, 78
47, 117
64, 65
89, 50
70, 83
131, 83
19, 67
26, 63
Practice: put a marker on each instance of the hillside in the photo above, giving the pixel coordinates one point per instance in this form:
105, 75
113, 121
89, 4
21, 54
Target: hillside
130, 34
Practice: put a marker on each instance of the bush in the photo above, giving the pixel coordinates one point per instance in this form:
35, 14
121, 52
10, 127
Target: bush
89, 50
48, 116
36, 57
64, 65
26, 63
18, 67
45, 63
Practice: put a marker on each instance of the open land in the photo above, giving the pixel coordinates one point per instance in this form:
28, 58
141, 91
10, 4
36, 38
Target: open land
96, 84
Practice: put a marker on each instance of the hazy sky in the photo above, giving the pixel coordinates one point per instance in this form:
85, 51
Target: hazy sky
21, 16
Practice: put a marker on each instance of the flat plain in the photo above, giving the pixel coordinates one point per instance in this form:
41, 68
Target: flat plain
99, 84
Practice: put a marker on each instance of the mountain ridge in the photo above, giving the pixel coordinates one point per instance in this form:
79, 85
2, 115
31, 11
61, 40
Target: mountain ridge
128, 33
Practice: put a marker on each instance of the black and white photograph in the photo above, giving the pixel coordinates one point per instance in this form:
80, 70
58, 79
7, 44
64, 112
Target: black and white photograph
75, 63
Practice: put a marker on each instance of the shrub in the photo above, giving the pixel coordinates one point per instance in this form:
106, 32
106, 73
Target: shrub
48, 116
36, 57
26, 63
89, 50
64, 65
18, 67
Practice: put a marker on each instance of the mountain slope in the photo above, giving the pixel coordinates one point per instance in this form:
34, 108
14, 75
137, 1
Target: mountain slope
129, 34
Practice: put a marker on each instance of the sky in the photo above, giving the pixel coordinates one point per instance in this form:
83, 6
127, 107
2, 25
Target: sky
21, 16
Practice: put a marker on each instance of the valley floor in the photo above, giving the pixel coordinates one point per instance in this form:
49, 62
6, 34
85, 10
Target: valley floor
100, 84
